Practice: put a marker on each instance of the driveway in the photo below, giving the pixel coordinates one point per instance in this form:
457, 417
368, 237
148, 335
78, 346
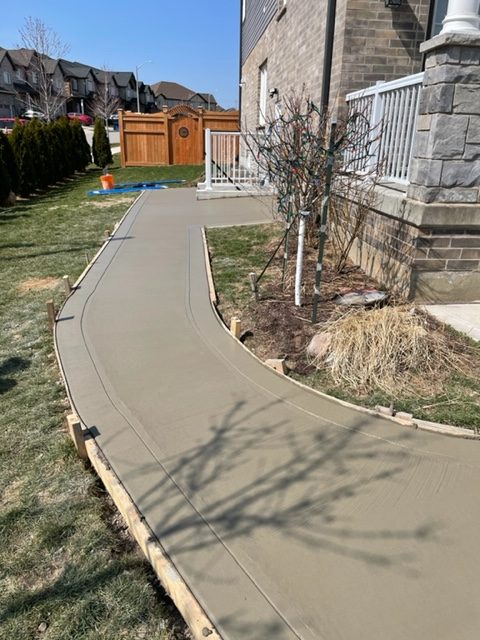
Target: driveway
114, 136
289, 515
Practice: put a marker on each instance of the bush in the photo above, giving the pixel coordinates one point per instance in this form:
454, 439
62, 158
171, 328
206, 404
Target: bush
6, 152
38, 154
5, 181
81, 150
24, 158
102, 154
40, 148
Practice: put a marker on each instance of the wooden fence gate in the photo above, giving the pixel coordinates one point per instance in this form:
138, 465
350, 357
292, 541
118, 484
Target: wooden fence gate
173, 136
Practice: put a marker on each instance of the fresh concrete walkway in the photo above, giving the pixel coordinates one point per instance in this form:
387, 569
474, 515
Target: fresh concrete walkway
289, 515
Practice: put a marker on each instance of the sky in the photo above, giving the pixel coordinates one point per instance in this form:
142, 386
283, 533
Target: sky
192, 42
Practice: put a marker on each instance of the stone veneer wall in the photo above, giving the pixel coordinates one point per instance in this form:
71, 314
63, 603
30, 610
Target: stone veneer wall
424, 262
372, 43
446, 155
386, 250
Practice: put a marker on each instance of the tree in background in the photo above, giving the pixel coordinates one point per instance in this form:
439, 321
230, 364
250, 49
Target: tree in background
47, 47
104, 105
102, 154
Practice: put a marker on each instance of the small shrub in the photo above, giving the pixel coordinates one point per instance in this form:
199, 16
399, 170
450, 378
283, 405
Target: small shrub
102, 154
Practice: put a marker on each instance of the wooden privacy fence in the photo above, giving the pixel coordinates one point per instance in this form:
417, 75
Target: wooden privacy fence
173, 136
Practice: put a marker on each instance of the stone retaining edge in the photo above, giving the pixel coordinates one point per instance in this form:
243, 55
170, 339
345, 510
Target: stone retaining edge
414, 423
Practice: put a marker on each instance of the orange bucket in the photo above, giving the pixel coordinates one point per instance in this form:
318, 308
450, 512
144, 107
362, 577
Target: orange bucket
107, 181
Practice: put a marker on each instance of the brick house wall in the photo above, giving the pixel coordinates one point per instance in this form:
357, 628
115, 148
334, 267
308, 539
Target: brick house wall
372, 43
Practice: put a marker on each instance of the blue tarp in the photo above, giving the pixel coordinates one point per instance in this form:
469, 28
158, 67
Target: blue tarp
125, 187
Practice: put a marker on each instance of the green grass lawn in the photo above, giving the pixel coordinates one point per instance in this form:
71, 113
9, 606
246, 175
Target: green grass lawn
65, 561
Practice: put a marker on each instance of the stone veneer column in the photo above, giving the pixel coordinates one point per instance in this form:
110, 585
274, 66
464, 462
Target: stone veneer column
445, 166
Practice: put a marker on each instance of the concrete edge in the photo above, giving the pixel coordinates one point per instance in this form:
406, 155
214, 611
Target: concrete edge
192, 612
211, 285
414, 423
104, 245
173, 583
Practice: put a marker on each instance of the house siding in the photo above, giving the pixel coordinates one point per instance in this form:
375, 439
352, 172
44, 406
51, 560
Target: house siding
258, 14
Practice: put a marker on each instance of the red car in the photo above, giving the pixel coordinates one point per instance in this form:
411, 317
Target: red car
87, 121
7, 124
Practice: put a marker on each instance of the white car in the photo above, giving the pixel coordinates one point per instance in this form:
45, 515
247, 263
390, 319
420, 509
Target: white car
30, 114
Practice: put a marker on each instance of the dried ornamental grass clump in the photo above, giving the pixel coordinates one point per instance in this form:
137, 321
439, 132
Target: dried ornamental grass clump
390, 349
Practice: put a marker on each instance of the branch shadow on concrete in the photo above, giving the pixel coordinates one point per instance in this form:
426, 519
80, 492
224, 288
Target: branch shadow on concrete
298, 481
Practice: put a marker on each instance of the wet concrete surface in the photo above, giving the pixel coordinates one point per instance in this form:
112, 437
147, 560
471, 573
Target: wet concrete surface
289, 515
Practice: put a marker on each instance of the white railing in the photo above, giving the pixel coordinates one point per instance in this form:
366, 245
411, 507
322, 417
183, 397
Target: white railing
228, 163
388, 114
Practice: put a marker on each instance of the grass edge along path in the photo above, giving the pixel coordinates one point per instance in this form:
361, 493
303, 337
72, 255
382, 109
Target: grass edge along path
236, 251
68, 568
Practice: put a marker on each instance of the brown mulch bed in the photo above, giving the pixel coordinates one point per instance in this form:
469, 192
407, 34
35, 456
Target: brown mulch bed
275, 327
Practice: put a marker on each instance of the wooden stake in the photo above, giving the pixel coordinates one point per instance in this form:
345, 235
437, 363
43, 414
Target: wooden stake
51, 314
236, 327
67, 285
253, 284
77, 435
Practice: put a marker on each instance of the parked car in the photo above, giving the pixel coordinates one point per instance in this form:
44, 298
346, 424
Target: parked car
87, 121
7, 124
113, 121
29, 114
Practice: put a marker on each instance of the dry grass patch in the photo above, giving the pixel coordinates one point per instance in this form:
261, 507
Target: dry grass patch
394, 349
38, 284
108, 201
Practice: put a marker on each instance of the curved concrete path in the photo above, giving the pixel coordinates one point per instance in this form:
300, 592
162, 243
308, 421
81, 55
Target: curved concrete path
288, 515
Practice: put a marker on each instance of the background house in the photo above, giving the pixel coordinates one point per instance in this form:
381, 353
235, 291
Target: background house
171, 94
127, 89
77, 85
7, 92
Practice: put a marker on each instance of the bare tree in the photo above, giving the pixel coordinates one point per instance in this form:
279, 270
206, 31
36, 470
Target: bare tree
299, 157
46, 48
105, 104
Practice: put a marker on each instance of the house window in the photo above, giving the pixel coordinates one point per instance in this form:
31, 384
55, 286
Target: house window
19, 74
262, 102
439, 13
244, 9
74, 84
7, 77
34, 77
